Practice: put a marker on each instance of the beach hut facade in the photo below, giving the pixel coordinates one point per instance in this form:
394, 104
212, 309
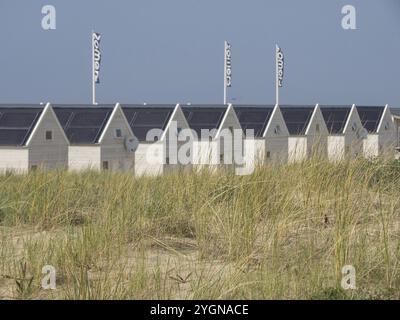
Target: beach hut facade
214, 129
381, 138
157, 128
307, 132
31, 137
270, 134
98, 137
346, 133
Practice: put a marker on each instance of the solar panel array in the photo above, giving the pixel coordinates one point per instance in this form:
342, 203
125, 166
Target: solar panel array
83, 125
335, 118
204, 117
254, 118
297, 118
142, 119
16, 124
370, 117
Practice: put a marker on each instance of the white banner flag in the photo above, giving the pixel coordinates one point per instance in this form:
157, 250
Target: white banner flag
228, 65
96, 56
280, 66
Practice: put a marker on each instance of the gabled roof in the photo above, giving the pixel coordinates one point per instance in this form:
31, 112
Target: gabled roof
206, 117
370, 117
17, 123
143, 118
254, 117
297, 118
83, 124
336, 118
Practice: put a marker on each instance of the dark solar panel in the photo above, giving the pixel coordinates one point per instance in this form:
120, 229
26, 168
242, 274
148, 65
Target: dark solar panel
157, 118
335, 118
204, 117
83, 125
17, 119
17, 123
82, 135
12, 136
63, 117
370, 117
254, 118
297, 119
89, 118
142, 119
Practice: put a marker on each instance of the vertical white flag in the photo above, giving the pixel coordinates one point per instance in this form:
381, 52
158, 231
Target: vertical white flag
228, 65
227, 69
96, 57
280, 66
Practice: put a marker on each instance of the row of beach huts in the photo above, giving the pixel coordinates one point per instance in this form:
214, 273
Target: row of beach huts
116, 137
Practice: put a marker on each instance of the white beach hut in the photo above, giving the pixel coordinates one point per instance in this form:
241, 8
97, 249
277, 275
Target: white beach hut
270, 134
100, 137
346, 133
381, 138
214, 128
31, 137
157, 128
307, 132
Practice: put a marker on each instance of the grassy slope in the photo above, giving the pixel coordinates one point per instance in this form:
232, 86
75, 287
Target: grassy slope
283, 232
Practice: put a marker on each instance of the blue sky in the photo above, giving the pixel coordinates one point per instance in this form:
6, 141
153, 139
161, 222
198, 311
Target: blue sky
159, 51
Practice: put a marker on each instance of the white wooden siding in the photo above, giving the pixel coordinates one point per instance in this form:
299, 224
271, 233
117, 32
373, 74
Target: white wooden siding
336, 147
317, 139
387, 136
353, 141
297, 148
172, 144
277, 148
226, 141
371, 146
48, 154
113, 149
14, 159
153, 166
276, 143
84, 157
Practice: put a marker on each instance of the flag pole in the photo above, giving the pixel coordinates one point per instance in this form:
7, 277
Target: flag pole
225, 84
276, 75
93, 80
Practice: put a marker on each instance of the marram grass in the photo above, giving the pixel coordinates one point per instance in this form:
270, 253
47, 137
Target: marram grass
284, 232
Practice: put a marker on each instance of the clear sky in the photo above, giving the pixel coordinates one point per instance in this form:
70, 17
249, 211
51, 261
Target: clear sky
169, 51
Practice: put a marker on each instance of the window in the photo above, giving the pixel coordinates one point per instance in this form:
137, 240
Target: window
118, 133
34, 167
167, 160
277, 129
221, 158
178, 131
105, 165
268, 154
354, 127
49, 135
